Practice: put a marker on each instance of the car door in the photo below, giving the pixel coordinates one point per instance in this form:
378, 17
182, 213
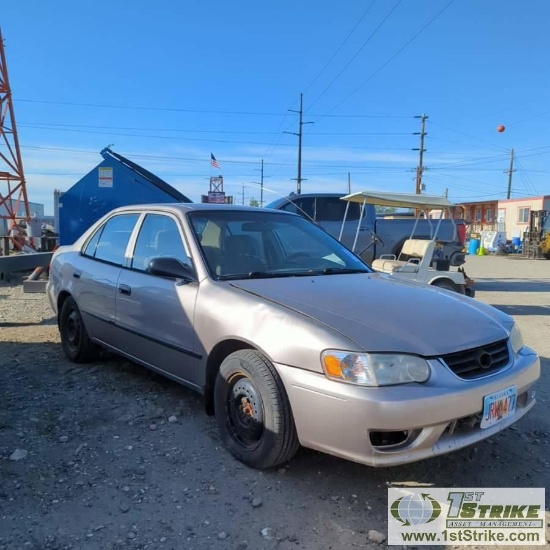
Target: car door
154, 315
96, 272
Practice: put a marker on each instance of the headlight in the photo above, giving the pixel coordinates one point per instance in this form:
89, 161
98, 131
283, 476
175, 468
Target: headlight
516, 340
374, 369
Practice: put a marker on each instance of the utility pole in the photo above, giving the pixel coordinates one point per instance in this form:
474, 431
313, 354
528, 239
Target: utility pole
299, 179
510, 171
262, 185
243, 193
349, 183
420, 167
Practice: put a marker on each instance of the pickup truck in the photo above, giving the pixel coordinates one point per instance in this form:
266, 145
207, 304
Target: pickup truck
385, 236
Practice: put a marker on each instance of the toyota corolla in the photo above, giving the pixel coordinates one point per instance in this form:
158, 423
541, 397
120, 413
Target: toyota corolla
289, 336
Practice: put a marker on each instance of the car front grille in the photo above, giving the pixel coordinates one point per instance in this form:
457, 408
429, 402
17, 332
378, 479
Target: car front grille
479, 362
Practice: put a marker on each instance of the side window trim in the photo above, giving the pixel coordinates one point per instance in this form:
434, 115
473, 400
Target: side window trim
98, 232
131, 248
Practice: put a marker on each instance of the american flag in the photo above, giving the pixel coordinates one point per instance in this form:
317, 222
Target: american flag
213, 161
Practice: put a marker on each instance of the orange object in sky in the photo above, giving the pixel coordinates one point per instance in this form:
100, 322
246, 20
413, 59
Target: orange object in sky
501, 128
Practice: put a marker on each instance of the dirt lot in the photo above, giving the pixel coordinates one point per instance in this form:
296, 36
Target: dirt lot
107, 466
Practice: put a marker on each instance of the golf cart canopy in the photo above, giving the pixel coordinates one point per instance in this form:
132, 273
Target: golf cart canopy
400, 200
421, 203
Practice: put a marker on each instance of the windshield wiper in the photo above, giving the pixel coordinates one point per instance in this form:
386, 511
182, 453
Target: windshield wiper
255, 275
278, 274
338, 270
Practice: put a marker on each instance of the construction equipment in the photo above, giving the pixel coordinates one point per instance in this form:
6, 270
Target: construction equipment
536, 241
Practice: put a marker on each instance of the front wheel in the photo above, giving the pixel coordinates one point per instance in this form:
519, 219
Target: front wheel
74, 337
446, 284
253, 411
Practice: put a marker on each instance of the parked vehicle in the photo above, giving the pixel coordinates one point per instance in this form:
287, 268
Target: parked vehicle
290, 347
327, 210
536, 240
416, 261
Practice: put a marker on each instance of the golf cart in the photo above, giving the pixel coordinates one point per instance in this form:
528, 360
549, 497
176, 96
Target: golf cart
418, 259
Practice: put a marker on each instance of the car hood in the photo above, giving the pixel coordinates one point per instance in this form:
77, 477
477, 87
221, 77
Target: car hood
382, 315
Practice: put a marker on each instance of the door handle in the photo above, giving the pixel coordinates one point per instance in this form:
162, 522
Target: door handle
77, 274
125, 289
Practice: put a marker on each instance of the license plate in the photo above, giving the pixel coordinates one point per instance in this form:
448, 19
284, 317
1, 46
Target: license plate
498, 406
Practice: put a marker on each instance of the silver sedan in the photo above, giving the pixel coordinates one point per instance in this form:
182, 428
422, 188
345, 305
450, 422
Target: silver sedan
290, 337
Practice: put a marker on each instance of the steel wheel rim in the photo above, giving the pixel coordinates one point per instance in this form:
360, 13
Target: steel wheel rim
245, 414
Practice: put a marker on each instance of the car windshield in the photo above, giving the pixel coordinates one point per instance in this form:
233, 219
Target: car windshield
243, 244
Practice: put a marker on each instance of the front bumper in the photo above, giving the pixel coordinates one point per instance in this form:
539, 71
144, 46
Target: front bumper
437, 417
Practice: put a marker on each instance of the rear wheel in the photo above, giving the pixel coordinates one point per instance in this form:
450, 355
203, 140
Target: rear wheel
447, 284
74, 338
253, 411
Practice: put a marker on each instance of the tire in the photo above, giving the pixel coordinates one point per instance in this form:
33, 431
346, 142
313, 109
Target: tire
253, 411
446, 284
75, 341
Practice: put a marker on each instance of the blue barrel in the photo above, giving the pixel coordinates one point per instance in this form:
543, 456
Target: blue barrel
473, 246
516, 241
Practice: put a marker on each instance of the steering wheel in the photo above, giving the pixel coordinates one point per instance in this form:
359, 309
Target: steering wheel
375, 239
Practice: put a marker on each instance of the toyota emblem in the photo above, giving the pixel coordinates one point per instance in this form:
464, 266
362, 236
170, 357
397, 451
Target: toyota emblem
485, 360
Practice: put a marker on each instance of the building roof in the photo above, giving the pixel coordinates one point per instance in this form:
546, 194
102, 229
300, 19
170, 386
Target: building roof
477, 203
149, 176
523, 199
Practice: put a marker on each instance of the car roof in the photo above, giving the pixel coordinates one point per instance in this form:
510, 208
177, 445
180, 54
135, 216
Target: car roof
190, 207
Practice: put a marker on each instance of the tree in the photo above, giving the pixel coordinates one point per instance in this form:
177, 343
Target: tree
254, 202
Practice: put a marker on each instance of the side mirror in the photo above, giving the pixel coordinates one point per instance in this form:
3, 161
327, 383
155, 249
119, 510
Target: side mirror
172, 268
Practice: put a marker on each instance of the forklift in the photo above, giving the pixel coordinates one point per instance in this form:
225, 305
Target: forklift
536, 241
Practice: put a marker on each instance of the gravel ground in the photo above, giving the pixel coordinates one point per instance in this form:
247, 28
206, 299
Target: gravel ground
115, 456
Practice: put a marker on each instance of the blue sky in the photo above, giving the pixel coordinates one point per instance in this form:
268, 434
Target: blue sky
170, 82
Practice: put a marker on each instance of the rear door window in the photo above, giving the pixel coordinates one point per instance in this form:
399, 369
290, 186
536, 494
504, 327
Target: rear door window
113, 241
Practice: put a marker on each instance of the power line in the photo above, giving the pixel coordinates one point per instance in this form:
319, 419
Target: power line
468, 136
63, 125
469, 162
142, 108
47, 125
181, 138
371, 36
202, 159
341, 46
196, 111
414, 37
525, 176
